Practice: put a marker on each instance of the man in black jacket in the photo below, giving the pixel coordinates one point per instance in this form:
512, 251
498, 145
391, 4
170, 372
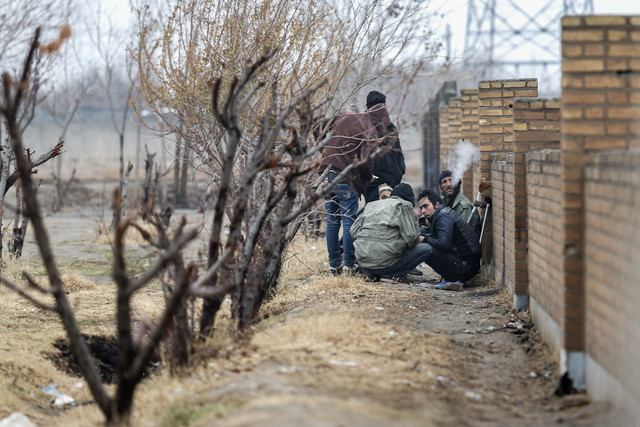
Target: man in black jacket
390, 167
456, 252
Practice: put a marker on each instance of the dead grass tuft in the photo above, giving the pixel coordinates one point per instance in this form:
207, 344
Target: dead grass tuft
304, 259
132, 236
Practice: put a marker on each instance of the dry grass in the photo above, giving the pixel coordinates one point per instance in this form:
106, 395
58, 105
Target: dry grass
311, 326
131, 237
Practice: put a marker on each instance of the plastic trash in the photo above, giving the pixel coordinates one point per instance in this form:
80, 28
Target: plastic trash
17, 419
60, 399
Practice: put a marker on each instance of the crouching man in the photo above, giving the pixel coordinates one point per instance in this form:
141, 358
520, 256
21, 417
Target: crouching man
386, 235
455, 252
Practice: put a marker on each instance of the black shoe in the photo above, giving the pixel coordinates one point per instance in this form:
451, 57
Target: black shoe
371, 278
415, 272
336, 271
355, 270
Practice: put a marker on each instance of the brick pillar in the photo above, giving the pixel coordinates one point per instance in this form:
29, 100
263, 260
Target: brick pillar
444, 136
495, 133
600, 111
469, 106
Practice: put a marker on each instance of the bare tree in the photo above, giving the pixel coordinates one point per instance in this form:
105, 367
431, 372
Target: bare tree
62, 103
114, 58
134, 352
346, 45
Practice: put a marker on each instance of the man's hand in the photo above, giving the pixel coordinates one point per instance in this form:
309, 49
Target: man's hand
479, 204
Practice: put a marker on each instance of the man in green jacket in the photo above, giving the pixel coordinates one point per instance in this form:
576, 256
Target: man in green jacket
454, 199
386, 236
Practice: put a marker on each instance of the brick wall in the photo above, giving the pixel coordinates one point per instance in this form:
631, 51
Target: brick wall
454, 118
536, 125
431, 134
545, 244
444, 140
612, 268
599, 102
495, 115
495, 134
469, 107
502, 218
600, 112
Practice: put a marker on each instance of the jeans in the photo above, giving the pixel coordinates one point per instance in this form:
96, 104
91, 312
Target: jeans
407, 261
452, 268
341, 205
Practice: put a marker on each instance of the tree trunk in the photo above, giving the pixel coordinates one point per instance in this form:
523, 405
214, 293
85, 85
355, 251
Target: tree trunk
121, 160
4, 176
184, 177
176, 174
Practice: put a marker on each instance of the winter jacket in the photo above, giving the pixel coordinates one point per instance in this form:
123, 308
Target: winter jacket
353, 136
450, 233
463, 207
390, 167
384, 231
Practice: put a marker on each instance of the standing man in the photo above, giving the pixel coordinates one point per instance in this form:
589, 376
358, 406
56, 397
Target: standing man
390, 167
456, 252
454, 199
354, 135
386, 236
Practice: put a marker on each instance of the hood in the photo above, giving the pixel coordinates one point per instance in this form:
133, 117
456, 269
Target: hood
379, 116
405, 192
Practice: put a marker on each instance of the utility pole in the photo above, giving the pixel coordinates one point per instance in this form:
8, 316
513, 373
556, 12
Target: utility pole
511, 38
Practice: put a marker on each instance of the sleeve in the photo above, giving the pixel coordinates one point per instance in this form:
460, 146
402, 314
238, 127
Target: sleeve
356, 227
475, 223
408, 224
366, 170
400, 156
442, 233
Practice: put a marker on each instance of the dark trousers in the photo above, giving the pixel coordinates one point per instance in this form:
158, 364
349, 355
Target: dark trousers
371, 192
452, 268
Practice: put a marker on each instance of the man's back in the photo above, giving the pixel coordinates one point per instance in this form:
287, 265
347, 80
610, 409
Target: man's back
352, 135
384, 231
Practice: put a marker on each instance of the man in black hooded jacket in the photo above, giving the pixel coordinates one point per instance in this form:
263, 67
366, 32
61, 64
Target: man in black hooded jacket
455, 250
390, 167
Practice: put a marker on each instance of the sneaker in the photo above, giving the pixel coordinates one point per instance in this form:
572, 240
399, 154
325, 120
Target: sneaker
454, 286
449, 286
401, 279
336, 271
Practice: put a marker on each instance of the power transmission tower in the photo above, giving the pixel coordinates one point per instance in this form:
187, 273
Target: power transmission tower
514, 39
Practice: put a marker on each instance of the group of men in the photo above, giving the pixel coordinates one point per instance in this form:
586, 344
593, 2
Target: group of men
364, 156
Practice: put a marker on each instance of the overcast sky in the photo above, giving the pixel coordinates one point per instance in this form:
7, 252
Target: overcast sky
454, 13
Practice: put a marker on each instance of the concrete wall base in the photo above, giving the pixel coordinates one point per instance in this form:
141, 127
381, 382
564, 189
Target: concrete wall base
572, 362
521, 302
603, 386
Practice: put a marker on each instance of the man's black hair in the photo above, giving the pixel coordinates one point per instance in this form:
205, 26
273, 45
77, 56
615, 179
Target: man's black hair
431, 195
405, 192
374, 97
445, 173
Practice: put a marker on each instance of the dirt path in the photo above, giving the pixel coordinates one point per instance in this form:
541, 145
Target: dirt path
396, 354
